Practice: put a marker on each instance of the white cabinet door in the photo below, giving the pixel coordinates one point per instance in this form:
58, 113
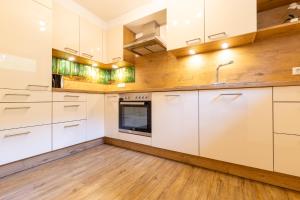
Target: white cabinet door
68, 134
25, 45
17, 144
65, 29
227, 18
90, 40
286, 154
111, 119
68, 111
114, 44
236, 126
175, 121
185, 23
95, 116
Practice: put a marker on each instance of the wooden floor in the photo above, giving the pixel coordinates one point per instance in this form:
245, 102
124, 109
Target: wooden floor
111, 173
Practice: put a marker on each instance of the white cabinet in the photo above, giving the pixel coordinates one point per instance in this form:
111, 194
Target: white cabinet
68, 96
95, 116
175, 121
185, 21
25, 45
286, 154
291, 93
111, 119
22, 96
47, 3
227, 18
90, 40
65, 29
68, 134
114, 44
17, 144
236, 126
68, 111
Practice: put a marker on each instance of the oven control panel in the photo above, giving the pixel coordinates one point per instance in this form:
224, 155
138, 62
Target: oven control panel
135, 97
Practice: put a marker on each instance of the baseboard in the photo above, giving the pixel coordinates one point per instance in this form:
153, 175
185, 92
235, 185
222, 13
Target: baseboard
273, 178
28, 163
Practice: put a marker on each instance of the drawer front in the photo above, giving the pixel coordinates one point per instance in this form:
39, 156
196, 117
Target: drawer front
17, 144
68, 134
17, 115
7, 96
68, 111
291, 93
286, 154
68, 96
287, 118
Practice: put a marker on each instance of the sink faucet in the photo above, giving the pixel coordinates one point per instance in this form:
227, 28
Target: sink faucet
218, 70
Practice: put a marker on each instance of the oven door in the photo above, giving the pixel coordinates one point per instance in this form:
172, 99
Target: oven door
135, 117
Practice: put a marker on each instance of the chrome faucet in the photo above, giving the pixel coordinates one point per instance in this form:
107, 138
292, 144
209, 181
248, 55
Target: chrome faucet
218, 70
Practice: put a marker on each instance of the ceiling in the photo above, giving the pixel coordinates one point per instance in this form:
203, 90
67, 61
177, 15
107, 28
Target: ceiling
110, 9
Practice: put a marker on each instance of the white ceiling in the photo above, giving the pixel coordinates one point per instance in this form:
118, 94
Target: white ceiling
110, 9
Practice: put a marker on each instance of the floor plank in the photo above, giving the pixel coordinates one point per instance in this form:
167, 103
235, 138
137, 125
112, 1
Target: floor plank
111, 173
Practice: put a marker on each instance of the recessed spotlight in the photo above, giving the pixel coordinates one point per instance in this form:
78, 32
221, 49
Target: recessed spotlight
115, 66
71, 58
192, 52
95, 65
121, 85
225, 45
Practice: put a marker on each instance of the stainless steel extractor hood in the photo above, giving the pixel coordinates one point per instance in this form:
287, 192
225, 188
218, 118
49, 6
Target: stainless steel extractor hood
149, 42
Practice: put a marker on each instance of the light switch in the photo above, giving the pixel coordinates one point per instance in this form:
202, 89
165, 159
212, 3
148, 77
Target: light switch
296, 70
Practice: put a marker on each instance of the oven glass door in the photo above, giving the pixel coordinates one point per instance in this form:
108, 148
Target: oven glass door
135, 117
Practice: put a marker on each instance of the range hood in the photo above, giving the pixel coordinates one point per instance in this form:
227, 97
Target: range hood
149, 42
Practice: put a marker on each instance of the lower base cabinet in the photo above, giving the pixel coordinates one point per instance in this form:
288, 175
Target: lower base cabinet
18, 144
68, 134
286, 154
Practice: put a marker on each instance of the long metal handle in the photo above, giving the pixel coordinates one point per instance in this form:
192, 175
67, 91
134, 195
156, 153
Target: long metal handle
16, 134
116, 59
39, 86
172, 95
71, 50
69, 106
25, 95
193, 41
17, 108
87, 55
133, 103
70, 126
217, 35
231, 94
72, 96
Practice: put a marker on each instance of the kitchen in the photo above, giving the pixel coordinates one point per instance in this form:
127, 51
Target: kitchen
149, 99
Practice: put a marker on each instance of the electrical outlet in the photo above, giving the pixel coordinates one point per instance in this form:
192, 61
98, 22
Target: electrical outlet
296, 70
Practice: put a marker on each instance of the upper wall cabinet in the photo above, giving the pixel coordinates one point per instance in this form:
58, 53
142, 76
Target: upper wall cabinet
114, 42
228, 18
90, 40
185, 23
25, 45
65, 29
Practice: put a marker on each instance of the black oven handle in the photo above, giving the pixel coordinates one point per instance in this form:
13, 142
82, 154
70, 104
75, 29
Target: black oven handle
132, 103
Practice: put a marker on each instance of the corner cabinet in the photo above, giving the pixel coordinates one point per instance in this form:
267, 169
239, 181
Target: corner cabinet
228, 18
235, 126
175, 121
114, 44
185, 23
25, 45
111, 120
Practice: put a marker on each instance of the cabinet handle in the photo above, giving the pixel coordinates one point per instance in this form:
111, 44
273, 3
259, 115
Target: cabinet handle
231, 94
217, 36
72, 96
40, 86
116, 59
70, 106
70, 126
16, 134
25, 95
87, 55
193, 41
71, 50
17, 108
172, 95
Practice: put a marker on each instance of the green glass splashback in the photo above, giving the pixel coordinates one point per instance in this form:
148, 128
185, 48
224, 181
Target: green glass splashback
92, 74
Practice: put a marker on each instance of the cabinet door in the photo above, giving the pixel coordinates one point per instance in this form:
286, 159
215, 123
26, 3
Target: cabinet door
95, 116
227, 18
90, 40
25, 45
111, 119
114, 44
236, 126
65, 29
175, 121
185, 23
286, 154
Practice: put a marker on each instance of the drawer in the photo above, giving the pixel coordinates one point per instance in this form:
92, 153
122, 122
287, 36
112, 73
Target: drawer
17, 144
68, 96
287, 118
18, 115
68, 111
24, 96
68, 134
286, 154
291, 93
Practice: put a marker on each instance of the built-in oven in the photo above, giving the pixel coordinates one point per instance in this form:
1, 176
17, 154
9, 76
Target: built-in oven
135, 114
